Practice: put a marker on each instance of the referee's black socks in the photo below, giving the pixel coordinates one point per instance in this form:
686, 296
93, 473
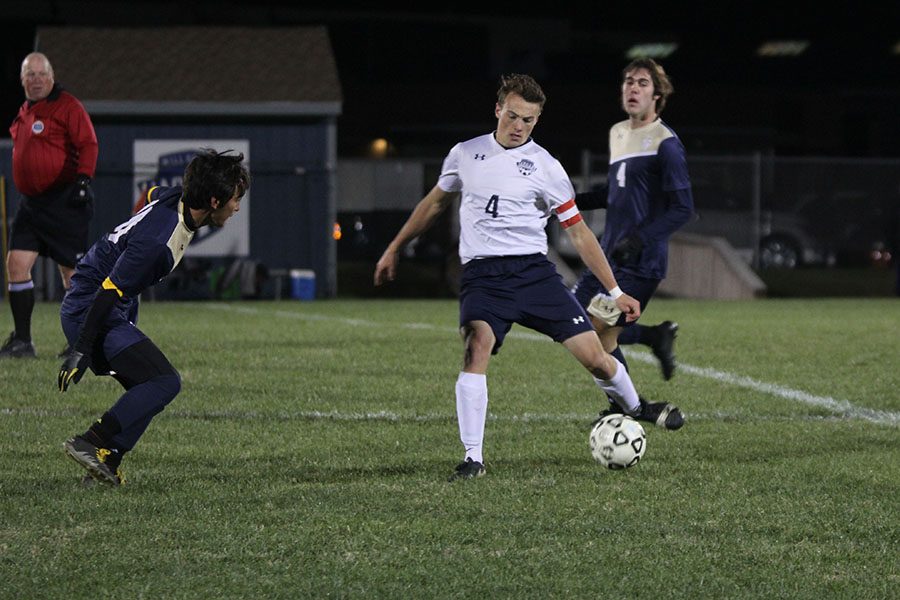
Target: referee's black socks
21, 301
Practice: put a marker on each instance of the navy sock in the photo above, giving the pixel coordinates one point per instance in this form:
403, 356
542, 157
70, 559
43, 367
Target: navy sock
630, 335
103, 430
620, 357
639, 334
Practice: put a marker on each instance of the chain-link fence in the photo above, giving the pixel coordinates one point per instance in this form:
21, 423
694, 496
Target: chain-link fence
788, 212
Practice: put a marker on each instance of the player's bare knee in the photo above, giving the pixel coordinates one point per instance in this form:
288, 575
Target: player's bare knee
479, 343
19, 270
602, 366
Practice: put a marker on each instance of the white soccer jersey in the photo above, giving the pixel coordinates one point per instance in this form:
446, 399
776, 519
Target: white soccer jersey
507, 196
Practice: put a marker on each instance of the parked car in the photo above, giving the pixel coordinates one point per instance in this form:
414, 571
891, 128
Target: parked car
819, 227
785, 240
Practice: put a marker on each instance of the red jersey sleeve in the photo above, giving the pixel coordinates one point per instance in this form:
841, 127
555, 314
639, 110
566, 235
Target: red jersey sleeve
81, 132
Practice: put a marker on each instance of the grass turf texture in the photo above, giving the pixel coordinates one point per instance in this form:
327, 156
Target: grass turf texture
308, 452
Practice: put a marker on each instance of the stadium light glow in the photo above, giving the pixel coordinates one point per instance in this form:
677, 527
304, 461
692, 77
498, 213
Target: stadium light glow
896, 48
782, 48
654, 50
379, 148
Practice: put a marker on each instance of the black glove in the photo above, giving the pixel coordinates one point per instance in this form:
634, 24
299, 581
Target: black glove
72, 370
627, 251
82, 193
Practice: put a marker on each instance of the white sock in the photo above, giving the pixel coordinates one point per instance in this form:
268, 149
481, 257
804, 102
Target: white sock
621, 389
471, 410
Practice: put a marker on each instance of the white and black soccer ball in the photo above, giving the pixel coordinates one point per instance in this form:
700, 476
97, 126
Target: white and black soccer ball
618, 441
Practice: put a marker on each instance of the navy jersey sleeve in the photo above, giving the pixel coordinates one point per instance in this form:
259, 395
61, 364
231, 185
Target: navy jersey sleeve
676, 185
673, 165
141, 265
147, 257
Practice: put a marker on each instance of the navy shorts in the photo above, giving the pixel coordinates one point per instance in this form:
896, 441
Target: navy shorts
520, 289
118, 332
639, 288
53, 225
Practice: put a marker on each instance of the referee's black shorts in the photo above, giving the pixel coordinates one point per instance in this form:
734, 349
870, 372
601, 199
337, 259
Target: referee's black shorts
53, 224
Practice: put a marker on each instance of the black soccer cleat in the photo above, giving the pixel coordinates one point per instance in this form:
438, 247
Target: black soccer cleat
13, 347
612, 409
661, 414
664, 347
469, 469
101, 463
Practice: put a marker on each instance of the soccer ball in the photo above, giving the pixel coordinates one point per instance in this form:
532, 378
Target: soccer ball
618, 441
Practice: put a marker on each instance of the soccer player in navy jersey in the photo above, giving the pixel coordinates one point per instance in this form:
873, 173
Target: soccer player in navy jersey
509, 187
99, 312
648, 197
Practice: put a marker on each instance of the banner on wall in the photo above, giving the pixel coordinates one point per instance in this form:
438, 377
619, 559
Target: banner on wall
162, 162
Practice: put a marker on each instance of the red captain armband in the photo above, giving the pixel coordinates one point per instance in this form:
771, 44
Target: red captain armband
568, 214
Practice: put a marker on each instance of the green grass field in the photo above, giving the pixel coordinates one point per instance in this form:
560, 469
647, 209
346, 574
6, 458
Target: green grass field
308, 452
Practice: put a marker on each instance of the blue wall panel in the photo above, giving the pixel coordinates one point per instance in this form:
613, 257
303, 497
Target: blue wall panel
291, 211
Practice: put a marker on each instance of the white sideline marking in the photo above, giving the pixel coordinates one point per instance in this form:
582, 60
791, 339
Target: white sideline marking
841, 407
391, 417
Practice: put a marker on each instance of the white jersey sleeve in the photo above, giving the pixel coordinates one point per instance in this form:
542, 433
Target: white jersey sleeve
449, 180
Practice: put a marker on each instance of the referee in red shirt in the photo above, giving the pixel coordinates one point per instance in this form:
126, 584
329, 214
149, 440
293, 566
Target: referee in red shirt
54, 158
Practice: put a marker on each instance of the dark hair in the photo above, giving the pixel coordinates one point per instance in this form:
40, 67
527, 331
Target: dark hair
523, 85
662, 85
213, 174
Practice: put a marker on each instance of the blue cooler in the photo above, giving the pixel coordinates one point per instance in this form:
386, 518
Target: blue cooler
303, 284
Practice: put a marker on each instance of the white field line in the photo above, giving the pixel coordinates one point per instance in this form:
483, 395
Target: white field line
840, 407
392, 417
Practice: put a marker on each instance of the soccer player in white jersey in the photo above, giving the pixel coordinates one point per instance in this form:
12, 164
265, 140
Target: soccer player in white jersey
648, 197
509, 187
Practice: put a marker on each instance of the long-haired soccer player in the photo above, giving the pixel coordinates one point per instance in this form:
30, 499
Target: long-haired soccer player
99, 311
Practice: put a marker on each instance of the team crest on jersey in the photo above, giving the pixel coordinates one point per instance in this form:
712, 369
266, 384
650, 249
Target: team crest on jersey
526, 167
37, 127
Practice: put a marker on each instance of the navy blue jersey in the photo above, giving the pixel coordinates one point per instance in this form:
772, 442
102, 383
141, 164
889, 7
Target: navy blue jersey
135, 255
649, 193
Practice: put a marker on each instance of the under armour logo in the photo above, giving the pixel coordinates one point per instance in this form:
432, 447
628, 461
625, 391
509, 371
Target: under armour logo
479, 157
578, 319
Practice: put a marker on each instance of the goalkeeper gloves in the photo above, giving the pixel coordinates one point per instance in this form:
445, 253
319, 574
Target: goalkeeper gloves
72, 369
627, 251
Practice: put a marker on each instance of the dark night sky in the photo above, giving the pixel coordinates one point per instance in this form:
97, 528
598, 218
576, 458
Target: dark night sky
425, 78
